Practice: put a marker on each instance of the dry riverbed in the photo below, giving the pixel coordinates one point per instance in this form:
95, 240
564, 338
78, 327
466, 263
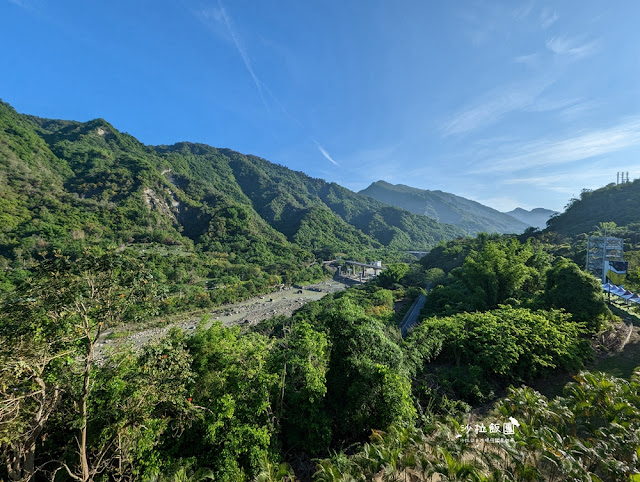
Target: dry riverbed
251, 311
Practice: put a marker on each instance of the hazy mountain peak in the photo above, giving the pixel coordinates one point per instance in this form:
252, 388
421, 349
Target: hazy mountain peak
445, 207
536, 217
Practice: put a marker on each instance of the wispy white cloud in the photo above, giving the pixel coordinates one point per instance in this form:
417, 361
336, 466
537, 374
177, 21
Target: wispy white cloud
568, 109
548, 17
242, 51
560, 181
530, 59
27, 5
523, 11
546, 104
325, 153
578, 110
569, 182
555, 152
493, 106
219, 15
573, 47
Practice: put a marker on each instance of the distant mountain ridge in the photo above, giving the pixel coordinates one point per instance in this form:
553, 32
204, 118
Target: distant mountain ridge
537, 217
445, 207
66, 185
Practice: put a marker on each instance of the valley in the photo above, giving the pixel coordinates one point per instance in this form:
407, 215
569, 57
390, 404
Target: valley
249, 312
168, 309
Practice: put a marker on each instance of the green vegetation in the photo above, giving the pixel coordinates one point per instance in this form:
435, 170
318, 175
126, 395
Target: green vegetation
445, 207
203, 217
589, 434
483, 352
100, 231
612, 203
242, 404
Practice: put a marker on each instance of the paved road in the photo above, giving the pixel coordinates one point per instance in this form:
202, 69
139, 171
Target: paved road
411, 317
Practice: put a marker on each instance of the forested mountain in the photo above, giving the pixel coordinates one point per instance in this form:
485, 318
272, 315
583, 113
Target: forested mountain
617, 203
67, 185
537, 217
100, 233
445, 207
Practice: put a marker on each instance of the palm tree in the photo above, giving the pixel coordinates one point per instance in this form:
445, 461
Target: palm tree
328, 472
184, 471
274, 473
451, 468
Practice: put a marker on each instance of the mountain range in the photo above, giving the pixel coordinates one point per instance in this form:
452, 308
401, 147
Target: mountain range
445, 207
537, 217
66, 185
216, 216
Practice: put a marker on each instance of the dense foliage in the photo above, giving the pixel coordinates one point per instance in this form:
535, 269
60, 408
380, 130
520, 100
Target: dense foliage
211, 216
612, 203
482, 352
486, 273
591, 433
241, 403
100, 231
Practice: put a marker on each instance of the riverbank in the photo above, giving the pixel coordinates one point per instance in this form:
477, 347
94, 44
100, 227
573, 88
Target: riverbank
249, 312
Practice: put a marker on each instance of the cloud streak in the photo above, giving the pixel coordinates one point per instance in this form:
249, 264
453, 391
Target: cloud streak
325, 153
548, 18
220, 15
23, 4
553, 152
573, 47
494, 106
530, 59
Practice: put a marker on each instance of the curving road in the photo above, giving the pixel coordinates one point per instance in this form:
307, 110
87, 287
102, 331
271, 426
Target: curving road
411, 318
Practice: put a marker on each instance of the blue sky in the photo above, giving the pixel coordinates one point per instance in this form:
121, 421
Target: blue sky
507, 103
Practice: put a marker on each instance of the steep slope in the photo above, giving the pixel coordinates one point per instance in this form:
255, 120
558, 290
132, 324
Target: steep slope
68, 185
287, 199
616, 203
537, 217
444, 207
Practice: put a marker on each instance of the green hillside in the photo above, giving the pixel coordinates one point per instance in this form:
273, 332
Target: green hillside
616, 203
332, 392
68, 185
445, 207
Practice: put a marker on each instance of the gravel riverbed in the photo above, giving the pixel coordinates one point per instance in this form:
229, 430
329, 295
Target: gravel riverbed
283, 302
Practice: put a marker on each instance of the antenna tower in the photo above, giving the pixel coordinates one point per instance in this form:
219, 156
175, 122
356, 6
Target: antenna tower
621, 178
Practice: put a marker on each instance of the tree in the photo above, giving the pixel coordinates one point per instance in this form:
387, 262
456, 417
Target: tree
481, 351
54, 324
392, 274
28, 397
138, 405
304, 359
368, 385
497, 272
576, 291
236, 389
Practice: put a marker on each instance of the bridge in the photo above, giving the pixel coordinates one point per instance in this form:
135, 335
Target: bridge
418, 254
376, 266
